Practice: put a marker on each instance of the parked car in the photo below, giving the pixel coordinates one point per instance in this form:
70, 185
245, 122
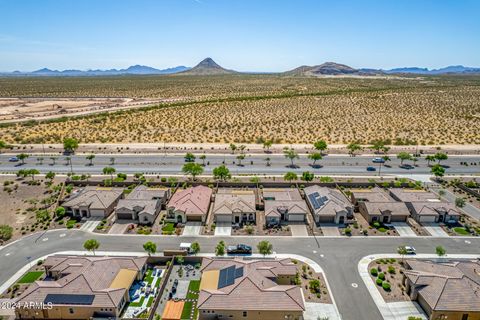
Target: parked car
239, 249
378, 160
13, 159
371, 169
410, 250
407, 166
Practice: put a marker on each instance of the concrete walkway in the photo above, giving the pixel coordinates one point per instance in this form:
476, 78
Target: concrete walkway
192, 228
223, 229
435, 230
298, 230
404, 229
119, 227
315, 311
398, 310
91, 224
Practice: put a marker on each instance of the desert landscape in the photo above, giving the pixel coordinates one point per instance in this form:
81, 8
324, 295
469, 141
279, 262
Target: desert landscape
243, 108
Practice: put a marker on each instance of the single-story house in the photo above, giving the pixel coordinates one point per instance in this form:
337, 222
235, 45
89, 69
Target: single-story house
433, 211
80, 287
328, 205
143, 204
284, 204
191, 204
412, 195
369, 195
234, 206
249, 289
385, 212
92, 202
445, 290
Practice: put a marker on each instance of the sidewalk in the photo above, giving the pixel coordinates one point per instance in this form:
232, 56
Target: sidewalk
398, 310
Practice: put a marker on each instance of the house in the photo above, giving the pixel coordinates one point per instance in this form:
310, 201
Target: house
143, 204
81, 287
425, 206
234, 206
284, 205
385, 212
93, 202
434, 212
191, 204
369, 195
328, 205
445, 290
249, 289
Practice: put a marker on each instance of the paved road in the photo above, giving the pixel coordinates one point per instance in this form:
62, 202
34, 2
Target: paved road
252, 164
338, 257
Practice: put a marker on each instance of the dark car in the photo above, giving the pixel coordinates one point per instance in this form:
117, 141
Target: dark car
407, 166
239, 249
371, 169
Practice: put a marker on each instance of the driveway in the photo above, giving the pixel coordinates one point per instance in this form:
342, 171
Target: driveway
223, 229
314, 311
119, 227
435, 230
192, 229
404, 229
330, 230
298, 230
90, 224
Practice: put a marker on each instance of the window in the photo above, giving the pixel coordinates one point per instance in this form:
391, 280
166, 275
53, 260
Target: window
70, 310
244, 313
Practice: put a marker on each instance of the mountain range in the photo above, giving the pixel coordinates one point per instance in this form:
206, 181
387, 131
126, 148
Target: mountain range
210, 67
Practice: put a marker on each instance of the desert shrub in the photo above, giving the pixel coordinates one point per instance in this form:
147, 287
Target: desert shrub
374, 272
386, 286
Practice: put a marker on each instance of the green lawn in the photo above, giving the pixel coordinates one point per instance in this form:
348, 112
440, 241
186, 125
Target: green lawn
137, 304
149, 276
31, 277
150, 302
461, 231
168, 227
194, 286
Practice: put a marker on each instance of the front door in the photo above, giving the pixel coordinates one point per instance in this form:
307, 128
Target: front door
440, 219
341, 220
237, 219
465, 316
385, 219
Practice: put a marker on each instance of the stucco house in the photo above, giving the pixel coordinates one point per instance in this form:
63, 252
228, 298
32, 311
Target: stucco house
249, 289
434, 212
444, 290
284, 204
385, 212
191, 204
143, 204
234, 206
82, 288
92, 202
328, 205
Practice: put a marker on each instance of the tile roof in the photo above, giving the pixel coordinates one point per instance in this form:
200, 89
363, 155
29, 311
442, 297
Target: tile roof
434, 208
94, 198
149, 207
277, 207
235, 201
386, 208
410, 195
336, 201
84, 275
255, 289
452, 286
372, 195
192, 201
281, 194
145, 193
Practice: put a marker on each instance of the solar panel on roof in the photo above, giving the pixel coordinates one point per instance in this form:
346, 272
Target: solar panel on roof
226, 277
83, 299
313, 200
238, 272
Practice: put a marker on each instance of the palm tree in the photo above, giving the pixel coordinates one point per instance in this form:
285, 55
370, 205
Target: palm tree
90, 157
267, 144
110, 171
233, 147
203, 157
315, 157
40, 160
429, 159
402, 251
240, 157
22, 157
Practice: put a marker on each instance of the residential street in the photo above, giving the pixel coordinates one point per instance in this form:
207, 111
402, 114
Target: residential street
338, 256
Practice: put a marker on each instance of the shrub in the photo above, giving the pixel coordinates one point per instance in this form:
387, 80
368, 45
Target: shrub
376, 224
381, 275
374, 272
382, 229
348, 231
386, 286
6, 232
379, 281
391, 269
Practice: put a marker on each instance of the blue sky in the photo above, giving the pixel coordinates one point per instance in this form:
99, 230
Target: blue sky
245, 35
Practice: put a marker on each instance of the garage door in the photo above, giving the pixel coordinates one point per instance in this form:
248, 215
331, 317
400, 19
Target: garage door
124, 216
296, 217
427, 218
194, 218
326, 219
223, 218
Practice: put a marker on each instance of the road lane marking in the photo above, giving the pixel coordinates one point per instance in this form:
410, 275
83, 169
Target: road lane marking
468, 242
45, 239
6, 255
62, 235
354, 285
322, 255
